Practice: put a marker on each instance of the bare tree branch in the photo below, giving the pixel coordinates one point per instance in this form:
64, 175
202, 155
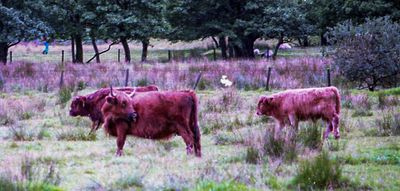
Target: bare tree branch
104, 51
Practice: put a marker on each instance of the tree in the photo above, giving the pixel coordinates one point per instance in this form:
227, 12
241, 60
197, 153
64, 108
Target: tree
65, 16
327, 13
18, 23
125, 20
242, 22
368, 54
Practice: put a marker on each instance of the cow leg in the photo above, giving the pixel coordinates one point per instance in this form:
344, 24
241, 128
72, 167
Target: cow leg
187, 137
121, 136
92, 128
294, 123
278, 126
335, 124
329, 128
98, 125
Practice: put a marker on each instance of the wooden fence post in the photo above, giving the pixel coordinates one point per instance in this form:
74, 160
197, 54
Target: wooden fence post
11, 58
119, 55
62, 56
126, 77
328, 76
169, 55
197, 81
214, 54
62, 79
268, 78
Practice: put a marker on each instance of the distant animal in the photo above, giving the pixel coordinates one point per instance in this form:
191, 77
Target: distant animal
153, 115
267, 53
285, 46
90, 105
292, 106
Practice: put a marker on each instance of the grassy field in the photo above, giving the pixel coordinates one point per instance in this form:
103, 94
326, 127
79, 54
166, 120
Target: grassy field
36, 130
157, 52
45, 149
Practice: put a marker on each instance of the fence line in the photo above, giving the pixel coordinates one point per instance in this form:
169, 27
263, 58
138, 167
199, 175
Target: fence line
180, 75
115, 55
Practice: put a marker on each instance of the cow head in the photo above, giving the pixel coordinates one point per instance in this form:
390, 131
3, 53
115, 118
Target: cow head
119, 105
265, 105
78, 107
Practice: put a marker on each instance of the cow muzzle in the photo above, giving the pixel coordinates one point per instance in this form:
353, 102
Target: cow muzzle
132, 116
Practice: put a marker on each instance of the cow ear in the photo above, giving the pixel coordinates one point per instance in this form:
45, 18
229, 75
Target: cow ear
112, 100
267, 100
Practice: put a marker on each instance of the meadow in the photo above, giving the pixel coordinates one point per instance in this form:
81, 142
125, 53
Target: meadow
44, 148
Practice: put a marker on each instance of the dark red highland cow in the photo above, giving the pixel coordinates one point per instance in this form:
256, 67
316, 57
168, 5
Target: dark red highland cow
291, 106
153, 115
90, 105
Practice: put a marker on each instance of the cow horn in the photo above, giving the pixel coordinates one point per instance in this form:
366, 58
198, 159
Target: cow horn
111, 91
132, 93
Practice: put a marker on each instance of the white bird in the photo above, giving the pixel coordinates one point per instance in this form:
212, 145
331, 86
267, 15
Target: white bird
224, 80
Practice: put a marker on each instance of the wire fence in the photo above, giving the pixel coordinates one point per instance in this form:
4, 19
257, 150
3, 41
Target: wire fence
113, 55
34, 77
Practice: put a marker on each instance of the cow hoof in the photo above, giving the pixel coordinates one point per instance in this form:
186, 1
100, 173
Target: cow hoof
119, 153
189, 150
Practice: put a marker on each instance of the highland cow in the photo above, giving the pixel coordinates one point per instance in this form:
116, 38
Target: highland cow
153, 115
90, 105
292, 106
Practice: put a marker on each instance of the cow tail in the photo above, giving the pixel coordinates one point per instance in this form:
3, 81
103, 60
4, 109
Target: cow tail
194, 124
337, 97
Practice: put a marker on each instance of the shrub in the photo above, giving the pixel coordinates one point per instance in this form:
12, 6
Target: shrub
32, 176
310, 136
204, 84
386, 101
129, 181
229, 100
142, 82
227, 139
20, 132
24, 70
319, 173
81, 85
367, 53
362, 105
64, 95
279, 148
252, 155
388, 124
76, 134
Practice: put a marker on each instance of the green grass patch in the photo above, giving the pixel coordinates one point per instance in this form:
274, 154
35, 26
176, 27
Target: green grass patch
223, 186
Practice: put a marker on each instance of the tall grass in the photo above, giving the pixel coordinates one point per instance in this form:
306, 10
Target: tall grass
319, 173
31, 176
245, 74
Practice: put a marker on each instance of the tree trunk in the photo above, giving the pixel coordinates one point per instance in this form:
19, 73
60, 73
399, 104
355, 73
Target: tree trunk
215, 41
73, 49
245, 47
3, 52
280, 41
222, 45
127, 52
230, 48
324, 41
306, 42
145, 45
79, 49
96, 50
